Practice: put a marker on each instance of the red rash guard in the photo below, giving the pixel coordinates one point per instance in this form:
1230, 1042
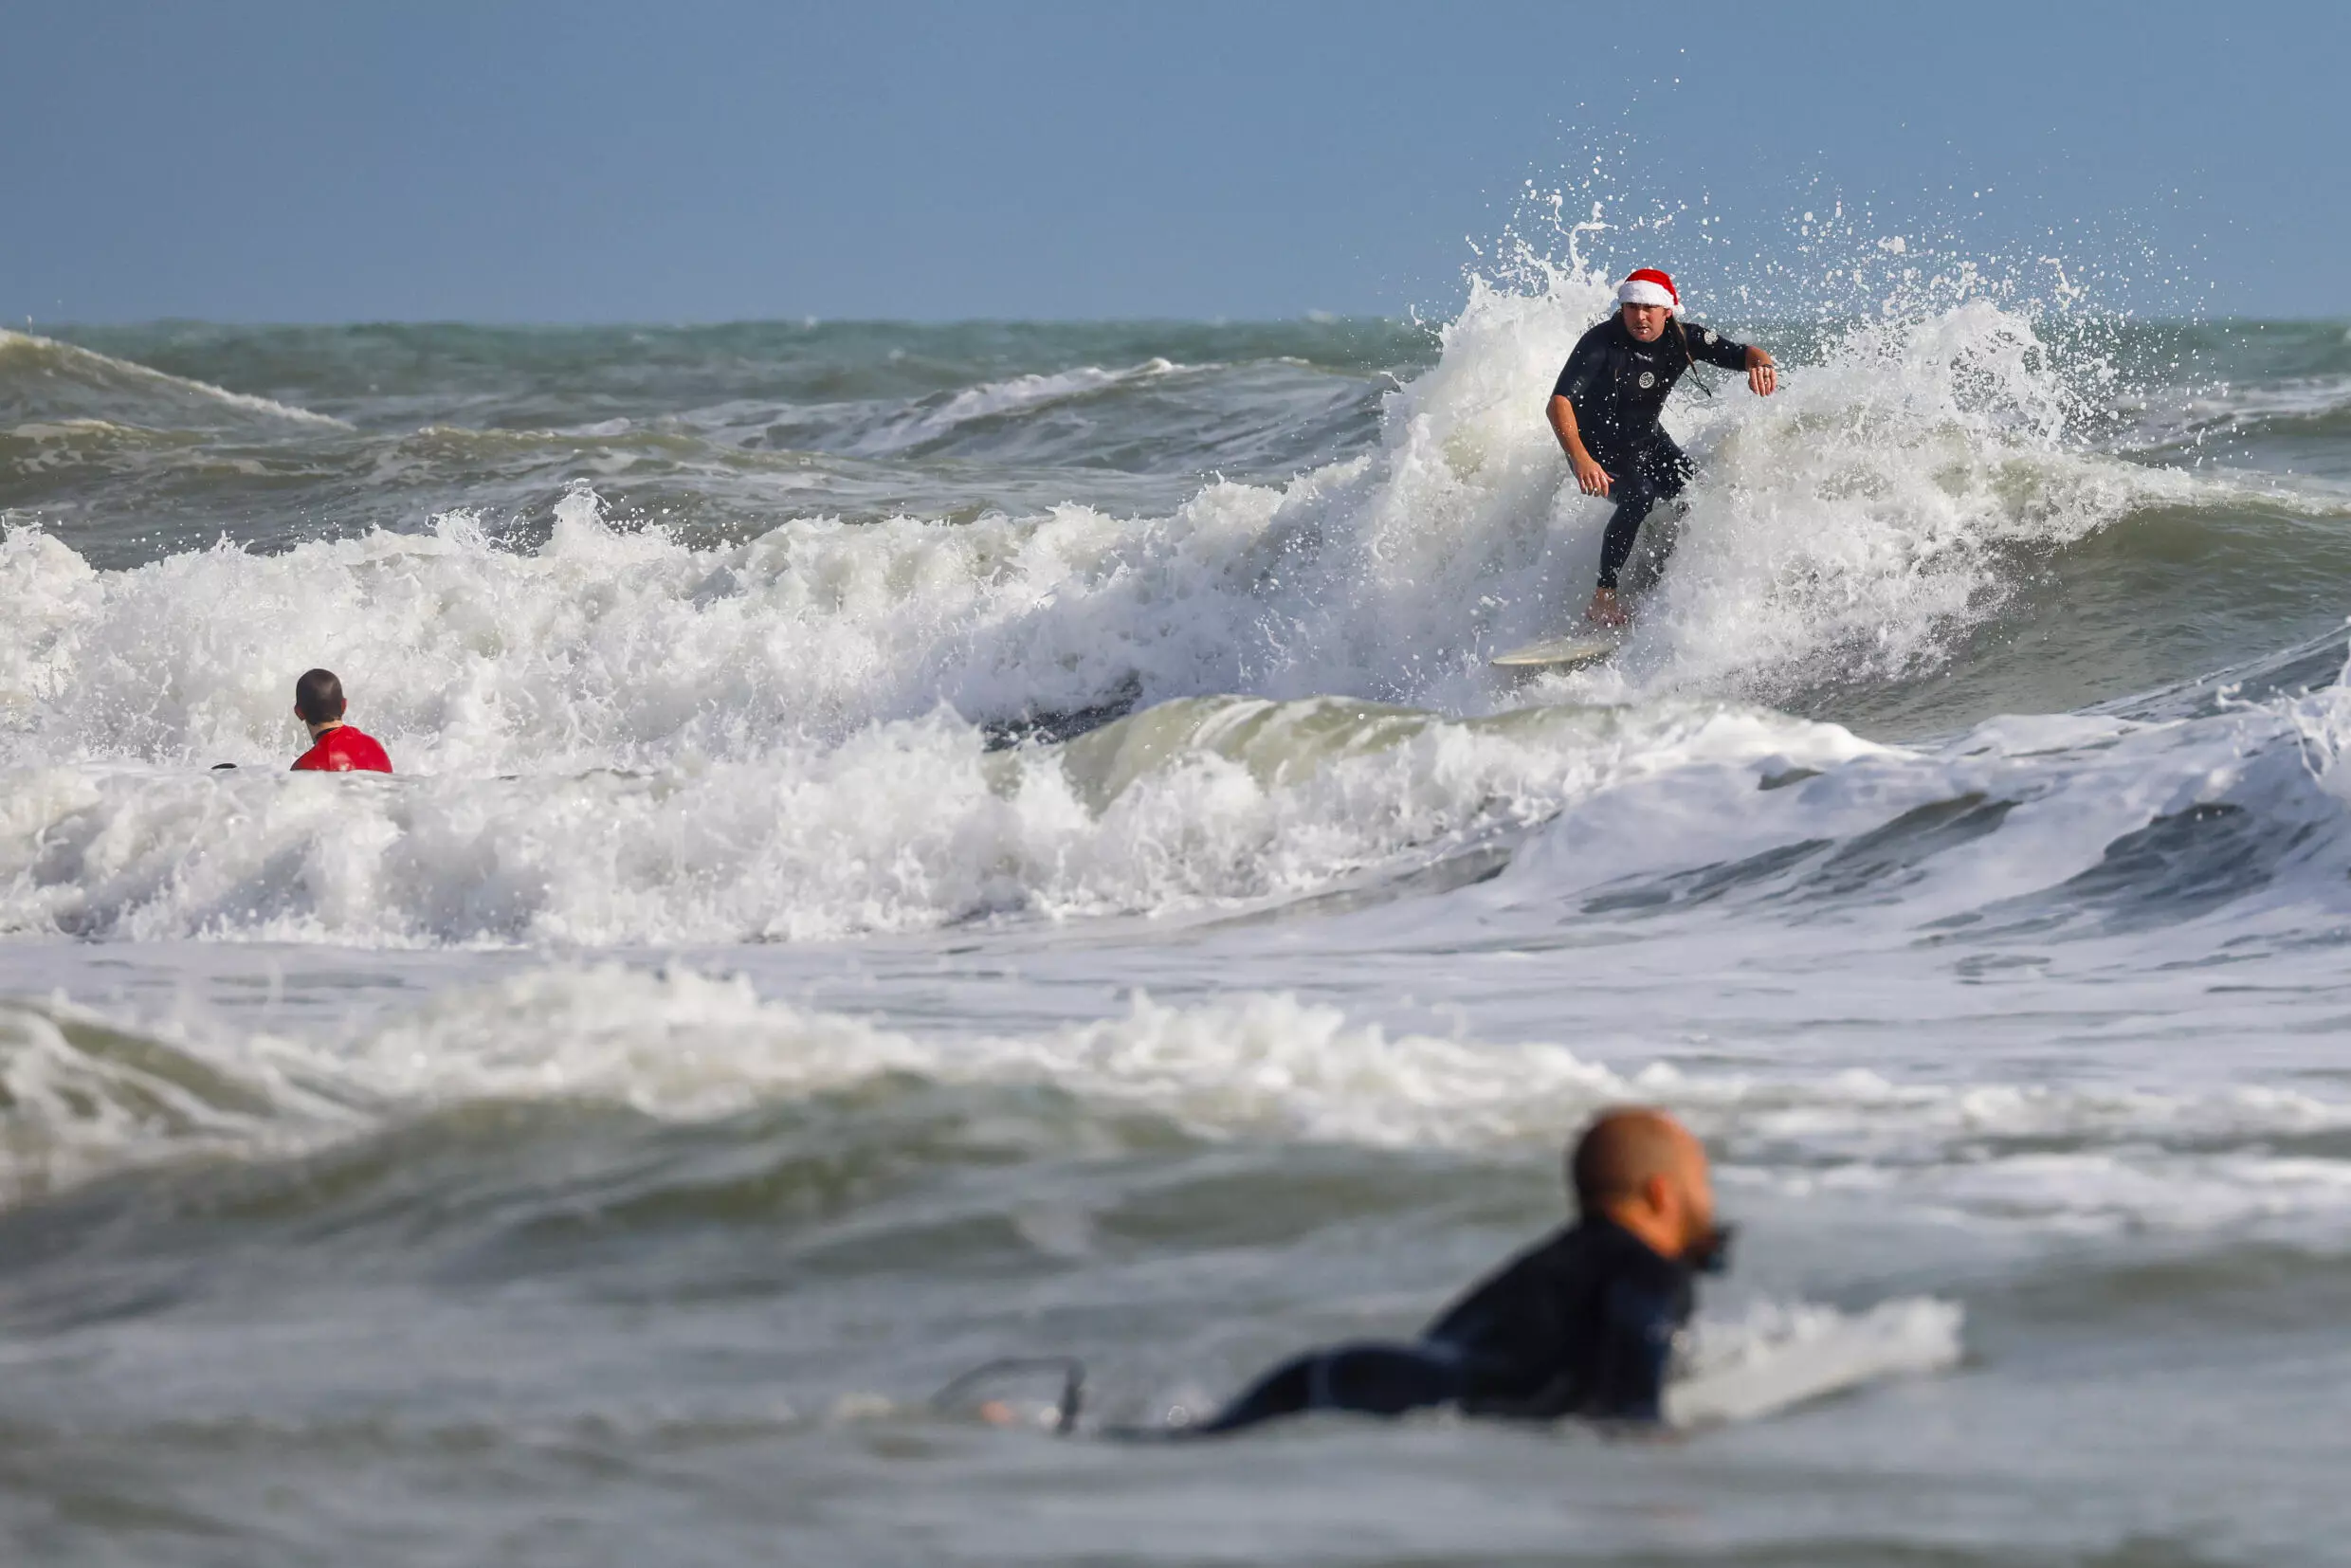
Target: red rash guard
343, 750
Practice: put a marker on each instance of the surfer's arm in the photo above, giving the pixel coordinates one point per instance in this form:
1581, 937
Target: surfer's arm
1590, 477
1637, 1331
1711, 346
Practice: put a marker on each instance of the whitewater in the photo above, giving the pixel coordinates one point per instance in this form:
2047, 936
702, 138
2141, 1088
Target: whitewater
919, 843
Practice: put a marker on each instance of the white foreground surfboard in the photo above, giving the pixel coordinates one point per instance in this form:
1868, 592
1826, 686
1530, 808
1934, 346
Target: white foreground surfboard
1572, 652
1777, 1358
1743, 1373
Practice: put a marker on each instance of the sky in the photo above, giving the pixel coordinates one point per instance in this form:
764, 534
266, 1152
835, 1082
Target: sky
691, 161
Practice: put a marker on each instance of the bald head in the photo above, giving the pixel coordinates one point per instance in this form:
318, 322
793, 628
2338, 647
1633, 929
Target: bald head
1622, 1150
1644, 1171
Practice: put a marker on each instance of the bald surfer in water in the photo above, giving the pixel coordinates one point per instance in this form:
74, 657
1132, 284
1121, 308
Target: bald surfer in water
1582, 1324
1605, 406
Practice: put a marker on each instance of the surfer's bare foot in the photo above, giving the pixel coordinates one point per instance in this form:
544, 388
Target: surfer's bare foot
1606, 611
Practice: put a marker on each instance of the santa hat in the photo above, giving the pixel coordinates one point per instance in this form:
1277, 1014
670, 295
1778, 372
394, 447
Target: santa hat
1650, 287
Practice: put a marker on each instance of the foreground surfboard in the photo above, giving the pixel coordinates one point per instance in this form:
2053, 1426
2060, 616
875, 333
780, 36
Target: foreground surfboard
1728, 1372
1814, 1354
1572, 652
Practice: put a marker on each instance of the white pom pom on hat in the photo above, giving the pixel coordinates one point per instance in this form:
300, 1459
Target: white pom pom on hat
1649, 287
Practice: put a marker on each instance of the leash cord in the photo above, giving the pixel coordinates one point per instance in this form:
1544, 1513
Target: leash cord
1065, 1410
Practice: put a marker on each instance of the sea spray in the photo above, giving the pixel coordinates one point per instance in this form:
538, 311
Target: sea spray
1858, 522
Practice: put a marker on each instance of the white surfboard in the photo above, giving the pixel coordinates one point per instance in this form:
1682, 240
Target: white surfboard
1572, 652
1743, 1372
1775, 1358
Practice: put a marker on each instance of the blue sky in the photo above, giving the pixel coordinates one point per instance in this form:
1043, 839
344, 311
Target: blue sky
686, 162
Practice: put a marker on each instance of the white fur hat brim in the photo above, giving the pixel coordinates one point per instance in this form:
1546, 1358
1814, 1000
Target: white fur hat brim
1640, 291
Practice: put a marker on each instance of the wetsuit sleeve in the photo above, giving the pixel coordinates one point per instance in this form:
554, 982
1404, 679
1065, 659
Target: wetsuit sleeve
1581, 375
1710, 347
1637, 1325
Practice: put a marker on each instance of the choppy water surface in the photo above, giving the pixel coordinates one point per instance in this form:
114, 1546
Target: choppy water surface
916, 844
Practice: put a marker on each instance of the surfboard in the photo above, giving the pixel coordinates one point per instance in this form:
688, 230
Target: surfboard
1572, 652
1774, 1361
1752, 1372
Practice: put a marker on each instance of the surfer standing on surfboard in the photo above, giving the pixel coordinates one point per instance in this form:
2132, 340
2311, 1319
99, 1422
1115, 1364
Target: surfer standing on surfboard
1606, 404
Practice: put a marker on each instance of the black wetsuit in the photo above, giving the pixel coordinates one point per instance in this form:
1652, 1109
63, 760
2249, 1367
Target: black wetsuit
1619, 386
1582, 1324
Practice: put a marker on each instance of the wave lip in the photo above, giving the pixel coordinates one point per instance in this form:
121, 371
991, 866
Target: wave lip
2063, 827
1257, 420
683, 1049
42, 379
995, 399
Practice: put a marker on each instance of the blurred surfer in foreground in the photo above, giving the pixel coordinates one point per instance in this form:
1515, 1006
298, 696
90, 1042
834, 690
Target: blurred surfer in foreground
1604, 409
334, 746
1581, 1324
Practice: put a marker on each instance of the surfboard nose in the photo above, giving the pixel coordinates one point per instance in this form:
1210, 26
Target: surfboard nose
1569, 652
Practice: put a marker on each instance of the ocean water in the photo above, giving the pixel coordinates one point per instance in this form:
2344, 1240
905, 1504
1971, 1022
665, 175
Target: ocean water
914, 845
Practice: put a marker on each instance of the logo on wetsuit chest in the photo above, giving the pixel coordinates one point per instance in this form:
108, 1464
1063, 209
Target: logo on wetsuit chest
1648, 380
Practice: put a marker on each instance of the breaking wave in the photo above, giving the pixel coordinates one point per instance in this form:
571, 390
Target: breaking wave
89, 1097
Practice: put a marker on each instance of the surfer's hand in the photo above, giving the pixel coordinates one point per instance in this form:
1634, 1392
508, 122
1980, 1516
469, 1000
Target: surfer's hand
1762, 376
1590, 477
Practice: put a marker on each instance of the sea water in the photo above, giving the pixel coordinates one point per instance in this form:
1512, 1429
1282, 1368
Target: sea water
916, 844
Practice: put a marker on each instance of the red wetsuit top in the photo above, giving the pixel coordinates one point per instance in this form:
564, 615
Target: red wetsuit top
343, 750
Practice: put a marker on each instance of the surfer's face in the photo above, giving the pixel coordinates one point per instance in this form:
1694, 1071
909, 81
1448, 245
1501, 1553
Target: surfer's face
1685, 1199
1645, 322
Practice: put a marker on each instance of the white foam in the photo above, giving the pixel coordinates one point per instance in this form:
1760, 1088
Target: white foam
901, 827
84, 1099
2322, 721
1267, 1065
1193, 804
2055, 1158
1862, 514
619, 738
1865, 511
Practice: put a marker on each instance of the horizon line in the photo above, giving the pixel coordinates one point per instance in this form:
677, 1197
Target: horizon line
32, 325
